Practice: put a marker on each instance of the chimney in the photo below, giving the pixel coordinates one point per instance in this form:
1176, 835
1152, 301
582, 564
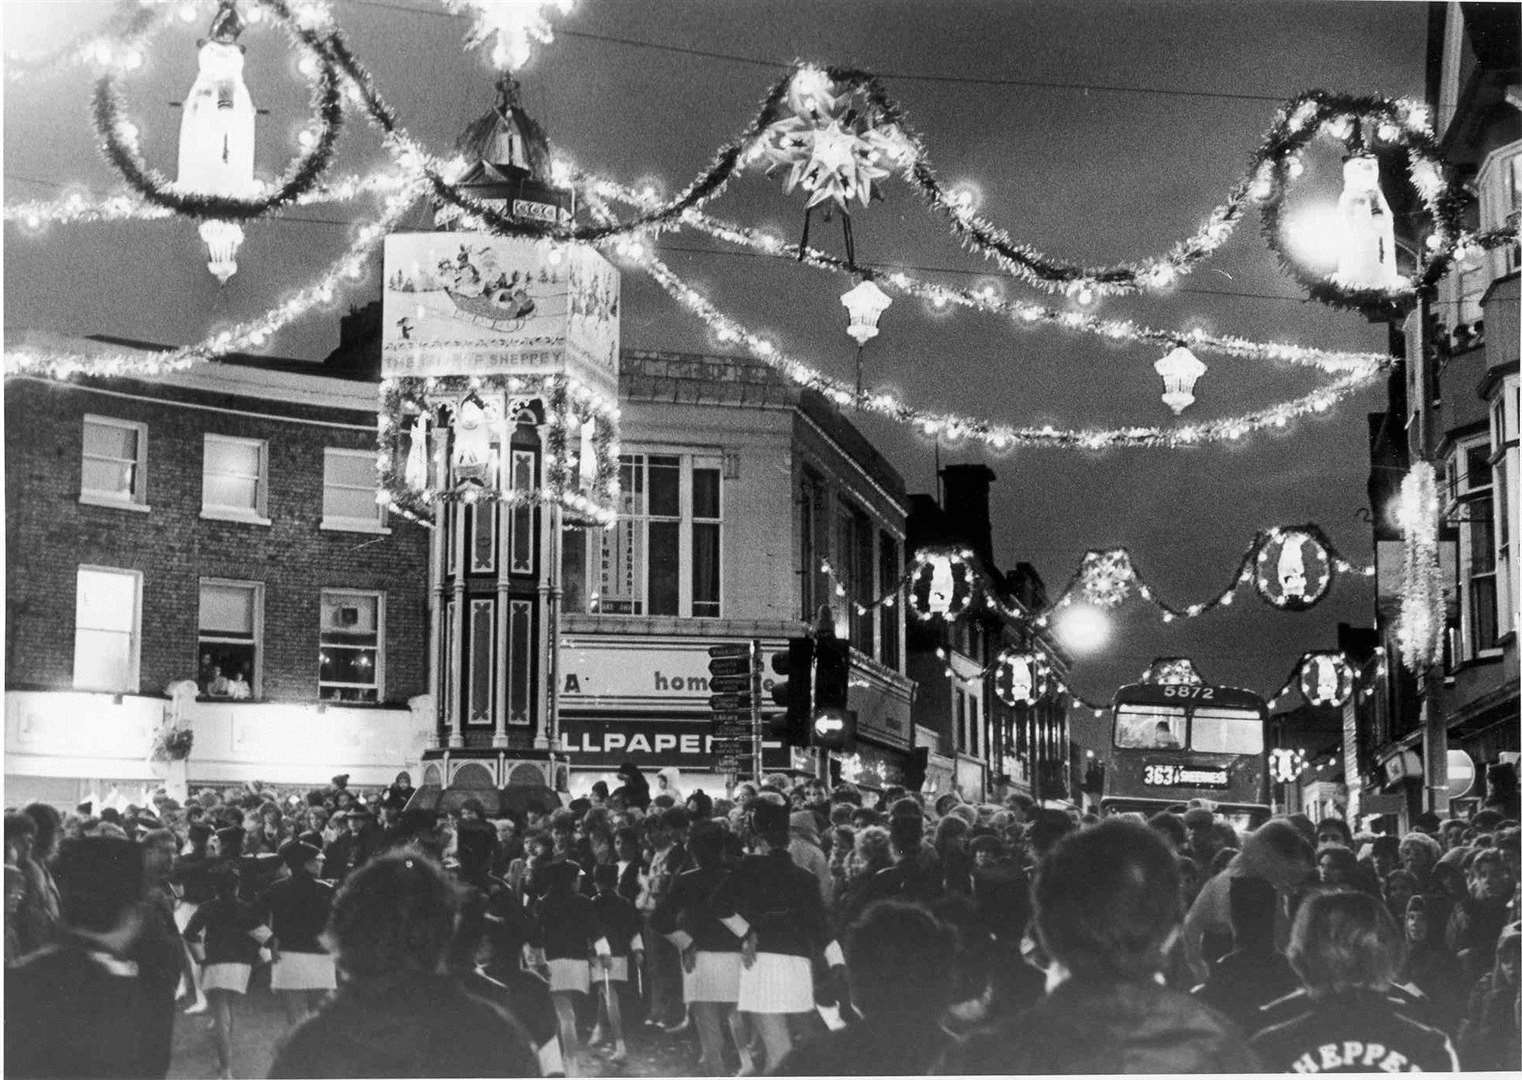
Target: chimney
966, 503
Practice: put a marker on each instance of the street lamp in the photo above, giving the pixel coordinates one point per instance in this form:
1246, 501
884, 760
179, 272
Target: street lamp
1083, 628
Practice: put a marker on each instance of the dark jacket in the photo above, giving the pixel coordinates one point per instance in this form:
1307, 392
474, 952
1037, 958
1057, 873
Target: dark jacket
911, 880
68, 1015
1359, 1031
412, 1025
1086, 1026
565, 926
780, 900
687, 908
226, 924
298, 910
617, 920
1243, 981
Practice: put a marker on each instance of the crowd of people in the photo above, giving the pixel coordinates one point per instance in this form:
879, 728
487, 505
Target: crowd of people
787, 928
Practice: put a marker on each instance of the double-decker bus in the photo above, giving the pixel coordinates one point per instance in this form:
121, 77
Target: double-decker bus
1173, 743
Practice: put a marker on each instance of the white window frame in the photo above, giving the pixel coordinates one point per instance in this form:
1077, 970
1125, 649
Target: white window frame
256, 516
376, 524
688, 461
256, 677
135, 636
1498, 184
1464, 496
379, 597
138, 500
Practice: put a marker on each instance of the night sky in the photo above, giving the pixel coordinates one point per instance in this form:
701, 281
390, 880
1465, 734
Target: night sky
1096, 131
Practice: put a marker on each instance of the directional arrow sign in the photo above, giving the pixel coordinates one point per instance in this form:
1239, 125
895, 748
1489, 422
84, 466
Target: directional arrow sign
730, 665
730, 684
729, 702
740, 649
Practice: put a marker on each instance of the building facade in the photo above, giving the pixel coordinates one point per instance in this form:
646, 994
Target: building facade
205, 548
1458, 409
746, 505
979, 745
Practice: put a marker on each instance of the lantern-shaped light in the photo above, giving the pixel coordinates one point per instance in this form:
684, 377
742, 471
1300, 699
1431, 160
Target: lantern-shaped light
1326, 679
941, 585
1180, 370
586, 466
1293, 569
865, 303
1019, 678
1285, 764
217, 136
1106, 577
416, 473
1366, 259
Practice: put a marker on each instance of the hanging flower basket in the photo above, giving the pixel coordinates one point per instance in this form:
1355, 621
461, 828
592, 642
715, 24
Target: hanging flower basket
173, 744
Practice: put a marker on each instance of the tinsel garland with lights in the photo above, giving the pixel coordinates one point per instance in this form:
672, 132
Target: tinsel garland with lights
1419, 628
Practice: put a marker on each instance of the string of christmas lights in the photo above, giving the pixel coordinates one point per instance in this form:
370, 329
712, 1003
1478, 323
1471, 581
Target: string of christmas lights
250, 334
1419, 627
987, 299
953, 427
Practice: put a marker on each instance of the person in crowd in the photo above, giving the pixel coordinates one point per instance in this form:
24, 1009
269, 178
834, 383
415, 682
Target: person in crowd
913, 875
803, 845
1254, 973
1203, 841
954, 861
842, 847
1278, 853
231, 932
900, 984
1384, 857
1000, 890
663, 966
1333, 830
354, 847
1419, 854
1399, 888
162, 959
399, 793
710, 953
773, 907
1347, 950
565, 933
1451, 833
1480, 914
630, 863
395, 1013
1430, 970
36, 920
73, 1009
15, 892
1491, 1035
299, 906
1106, 907
620, 925
633, 789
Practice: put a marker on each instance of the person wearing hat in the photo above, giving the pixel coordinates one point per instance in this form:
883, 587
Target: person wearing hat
633, 789
231, 933
355, 846
397, 1012
773, 907
1202, 842
74, 1009
298, 908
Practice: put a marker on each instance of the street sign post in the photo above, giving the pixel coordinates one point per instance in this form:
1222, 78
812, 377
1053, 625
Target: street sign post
734, 677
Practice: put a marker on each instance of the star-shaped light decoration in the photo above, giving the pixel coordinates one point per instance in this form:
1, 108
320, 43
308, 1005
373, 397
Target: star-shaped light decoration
832, 145
516, 25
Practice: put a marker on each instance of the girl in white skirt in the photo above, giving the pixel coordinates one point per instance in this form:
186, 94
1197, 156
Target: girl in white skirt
619, 922
773, 907
298, 907
231, 934
565, 932
710, 953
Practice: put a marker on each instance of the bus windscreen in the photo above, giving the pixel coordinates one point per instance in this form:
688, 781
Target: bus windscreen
1226, 731
1149, 727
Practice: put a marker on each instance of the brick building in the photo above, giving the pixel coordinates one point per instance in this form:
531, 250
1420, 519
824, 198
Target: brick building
217, 528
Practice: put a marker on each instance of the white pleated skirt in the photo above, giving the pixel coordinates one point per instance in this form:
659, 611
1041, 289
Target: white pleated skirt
570, 975
714, 977
303, 971
618, 971
231, 977
777, 983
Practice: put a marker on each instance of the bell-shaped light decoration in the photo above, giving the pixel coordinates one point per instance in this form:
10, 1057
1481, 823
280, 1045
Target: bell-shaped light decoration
1180, 370
587, 463
942, 586
416, 473
866, 304
217, 136
1366, 259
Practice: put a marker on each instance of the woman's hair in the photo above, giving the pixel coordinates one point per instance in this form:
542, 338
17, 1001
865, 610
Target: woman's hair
873, 851
1345, 941
395, 914
706, 842
950, 828
49, 823
1425, 842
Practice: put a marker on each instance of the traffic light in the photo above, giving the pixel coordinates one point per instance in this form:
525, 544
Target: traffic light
796, 692
832, 724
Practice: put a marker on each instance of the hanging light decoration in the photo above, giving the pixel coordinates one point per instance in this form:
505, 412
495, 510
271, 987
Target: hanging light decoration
1285, 764
1173, 671
416, 473
1366, 258
866, 304
941, 584
217, 136
1180, 370
1326, 679
1020, 678
1106, 577
516, 25
1419, 628
1293, 568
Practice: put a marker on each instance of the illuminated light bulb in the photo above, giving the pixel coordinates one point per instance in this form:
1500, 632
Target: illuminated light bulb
1180, 370
132, 59
865, 305
1294, 166
187, 13
1085, 295
1366, 258
1227, 598
1388, 131
1339, 127
1083, 628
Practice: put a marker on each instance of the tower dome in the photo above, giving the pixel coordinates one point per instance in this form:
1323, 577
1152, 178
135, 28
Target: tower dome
508, 161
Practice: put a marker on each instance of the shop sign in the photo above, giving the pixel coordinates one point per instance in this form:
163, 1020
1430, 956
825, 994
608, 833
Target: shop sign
651, 744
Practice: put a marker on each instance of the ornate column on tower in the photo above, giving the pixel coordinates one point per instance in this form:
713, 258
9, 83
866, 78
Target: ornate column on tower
499, 425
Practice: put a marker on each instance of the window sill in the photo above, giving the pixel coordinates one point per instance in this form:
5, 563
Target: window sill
242, 517
353, 526
90, 499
